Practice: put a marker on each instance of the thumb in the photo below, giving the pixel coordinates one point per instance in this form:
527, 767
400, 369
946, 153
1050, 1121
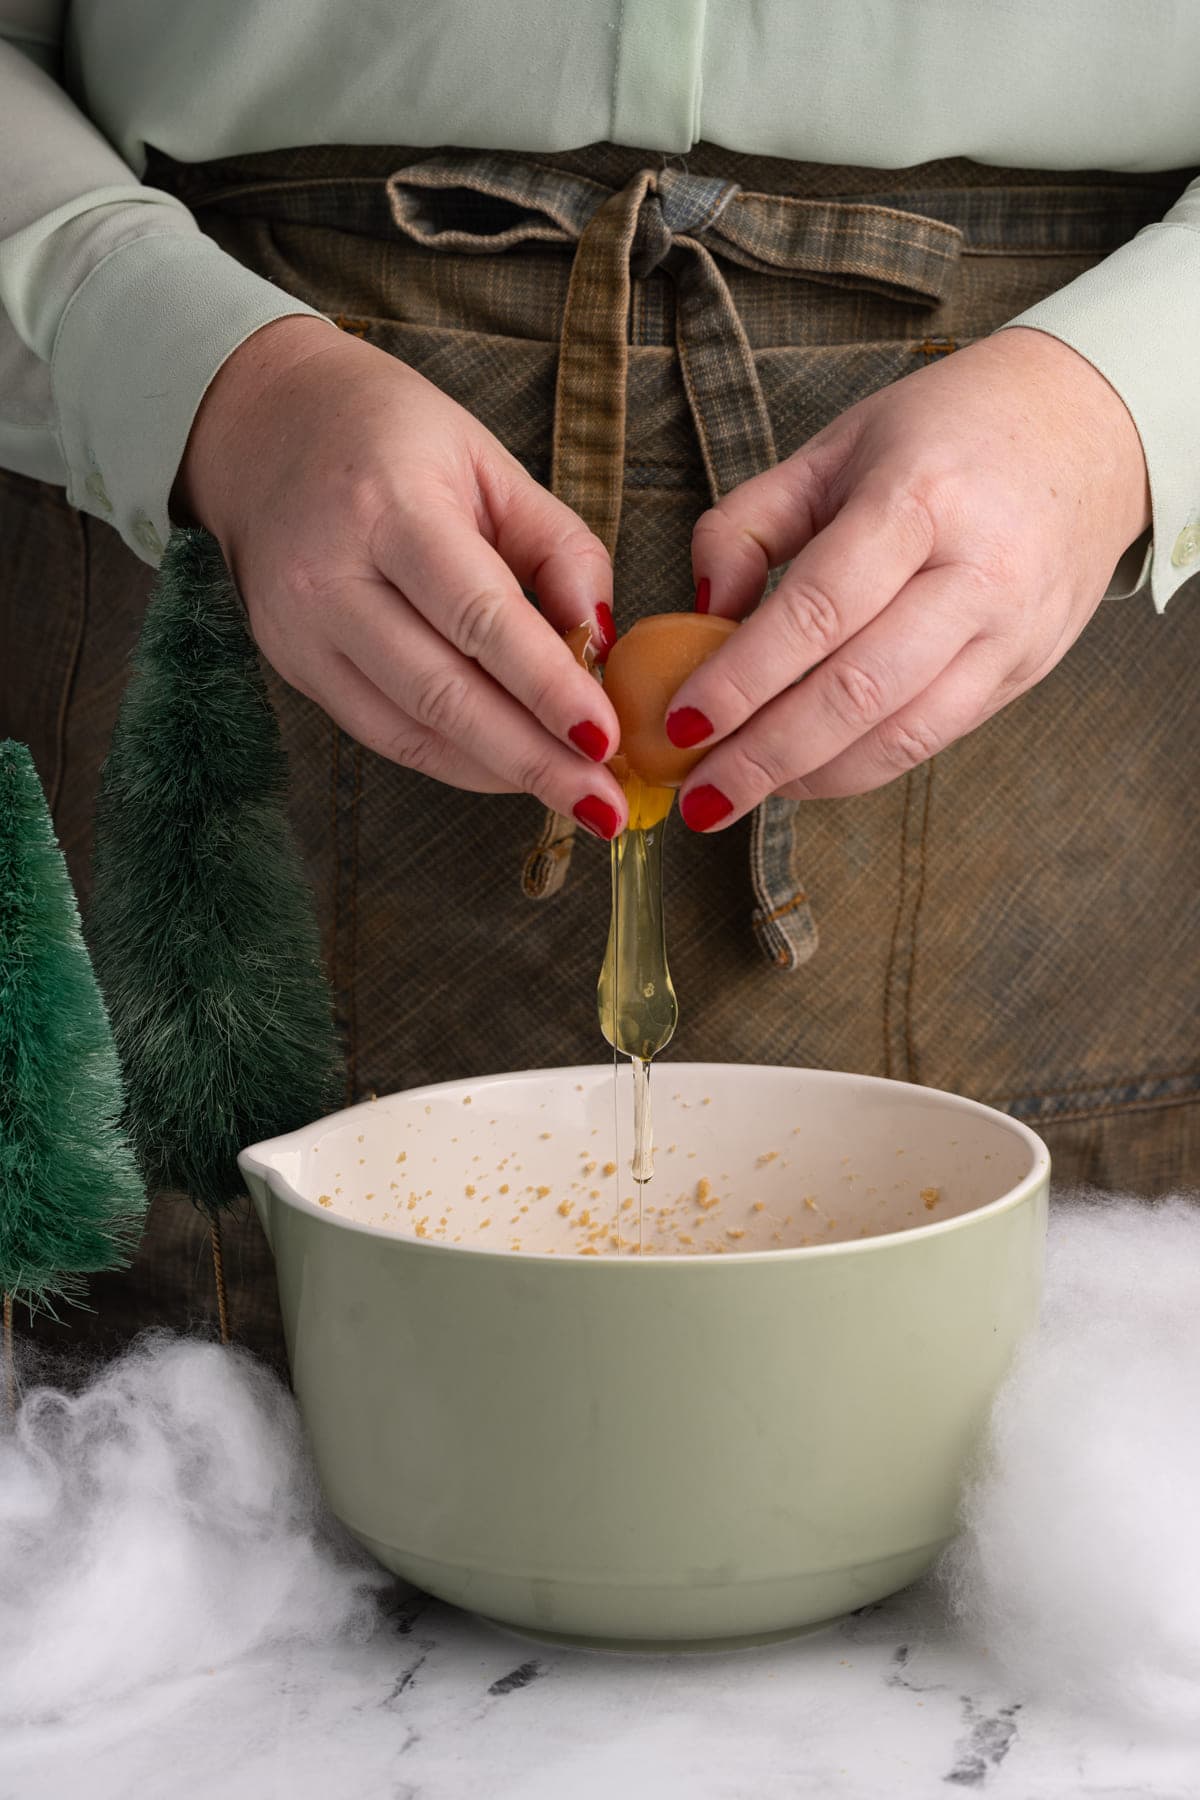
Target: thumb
753, 529
551, 552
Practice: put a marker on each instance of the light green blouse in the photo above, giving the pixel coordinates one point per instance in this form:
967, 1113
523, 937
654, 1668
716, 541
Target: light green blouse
115, 312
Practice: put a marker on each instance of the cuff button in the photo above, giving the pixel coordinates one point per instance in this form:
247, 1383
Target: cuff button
94, 485
1187, 547
149, 539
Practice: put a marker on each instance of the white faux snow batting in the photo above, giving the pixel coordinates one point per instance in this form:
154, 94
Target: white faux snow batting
162, 1522
1079, 1570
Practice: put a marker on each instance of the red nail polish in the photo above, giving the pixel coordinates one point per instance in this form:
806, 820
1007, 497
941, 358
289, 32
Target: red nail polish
703, 590
607, 629
686, 726
598, 816
590, 739
704, 807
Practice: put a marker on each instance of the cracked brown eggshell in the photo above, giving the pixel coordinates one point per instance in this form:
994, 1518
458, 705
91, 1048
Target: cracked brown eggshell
645, 669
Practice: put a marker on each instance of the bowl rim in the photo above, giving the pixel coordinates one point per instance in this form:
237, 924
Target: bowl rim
256, 1159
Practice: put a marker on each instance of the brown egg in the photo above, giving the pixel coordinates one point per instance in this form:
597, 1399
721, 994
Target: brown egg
643, 672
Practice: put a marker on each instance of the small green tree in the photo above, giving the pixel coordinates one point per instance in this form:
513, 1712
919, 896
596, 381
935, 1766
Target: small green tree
202, 925
71, 1201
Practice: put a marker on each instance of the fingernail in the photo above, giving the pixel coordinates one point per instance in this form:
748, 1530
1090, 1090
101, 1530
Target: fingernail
686, 726
590, 739
607, 629
704, 807
703, 590
598, 816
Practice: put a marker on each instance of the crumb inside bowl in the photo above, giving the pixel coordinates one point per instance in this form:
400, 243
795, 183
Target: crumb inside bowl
756, 1418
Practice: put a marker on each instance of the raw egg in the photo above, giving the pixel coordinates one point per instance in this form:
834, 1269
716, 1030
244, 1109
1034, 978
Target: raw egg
645, 667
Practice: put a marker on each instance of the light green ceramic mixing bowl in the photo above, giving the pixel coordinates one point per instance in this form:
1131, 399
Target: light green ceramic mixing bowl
724, 1438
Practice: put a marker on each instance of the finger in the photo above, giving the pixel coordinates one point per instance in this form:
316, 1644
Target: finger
431, 682
871, 678
362, 710
551, 551
470, 597
845, 577
972, 690
752, 530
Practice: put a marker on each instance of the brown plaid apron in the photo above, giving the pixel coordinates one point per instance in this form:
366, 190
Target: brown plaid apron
1017, 920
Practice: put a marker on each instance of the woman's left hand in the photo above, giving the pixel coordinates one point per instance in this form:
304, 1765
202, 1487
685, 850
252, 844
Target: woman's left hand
952, 535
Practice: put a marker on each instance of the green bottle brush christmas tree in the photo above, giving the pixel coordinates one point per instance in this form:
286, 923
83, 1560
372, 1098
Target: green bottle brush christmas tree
71, 1200
202, 925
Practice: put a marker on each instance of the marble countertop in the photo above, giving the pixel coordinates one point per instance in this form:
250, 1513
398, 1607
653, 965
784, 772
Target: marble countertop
438, 1706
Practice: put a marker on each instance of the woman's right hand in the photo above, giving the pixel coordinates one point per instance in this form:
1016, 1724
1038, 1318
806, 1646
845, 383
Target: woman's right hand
380, 538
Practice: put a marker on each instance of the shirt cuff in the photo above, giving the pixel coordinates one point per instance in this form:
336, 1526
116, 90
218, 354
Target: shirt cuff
1133, 317
138, 344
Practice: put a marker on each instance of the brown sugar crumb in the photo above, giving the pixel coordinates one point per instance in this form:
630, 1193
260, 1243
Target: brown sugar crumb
768, 1156
545, 1134
469, 1190
324, 1200
564, 1209
483, 1224
931, 1196
759, 1206
589, 1168
685, 1237
466, 1099
735, 1231
829, 1224
810, 1201
626, 1204
419, 1228
370, 1196
361, 1161
588, 1250
542, 1192
585, 1217
402, 1156
610, 1168
359, 1138
504, 1187
412, 1203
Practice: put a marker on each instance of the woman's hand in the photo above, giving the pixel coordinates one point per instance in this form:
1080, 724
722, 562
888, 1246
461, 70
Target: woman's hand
380, 538
951, 535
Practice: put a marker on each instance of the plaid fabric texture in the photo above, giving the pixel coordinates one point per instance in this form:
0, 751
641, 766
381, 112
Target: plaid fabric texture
1019, 920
